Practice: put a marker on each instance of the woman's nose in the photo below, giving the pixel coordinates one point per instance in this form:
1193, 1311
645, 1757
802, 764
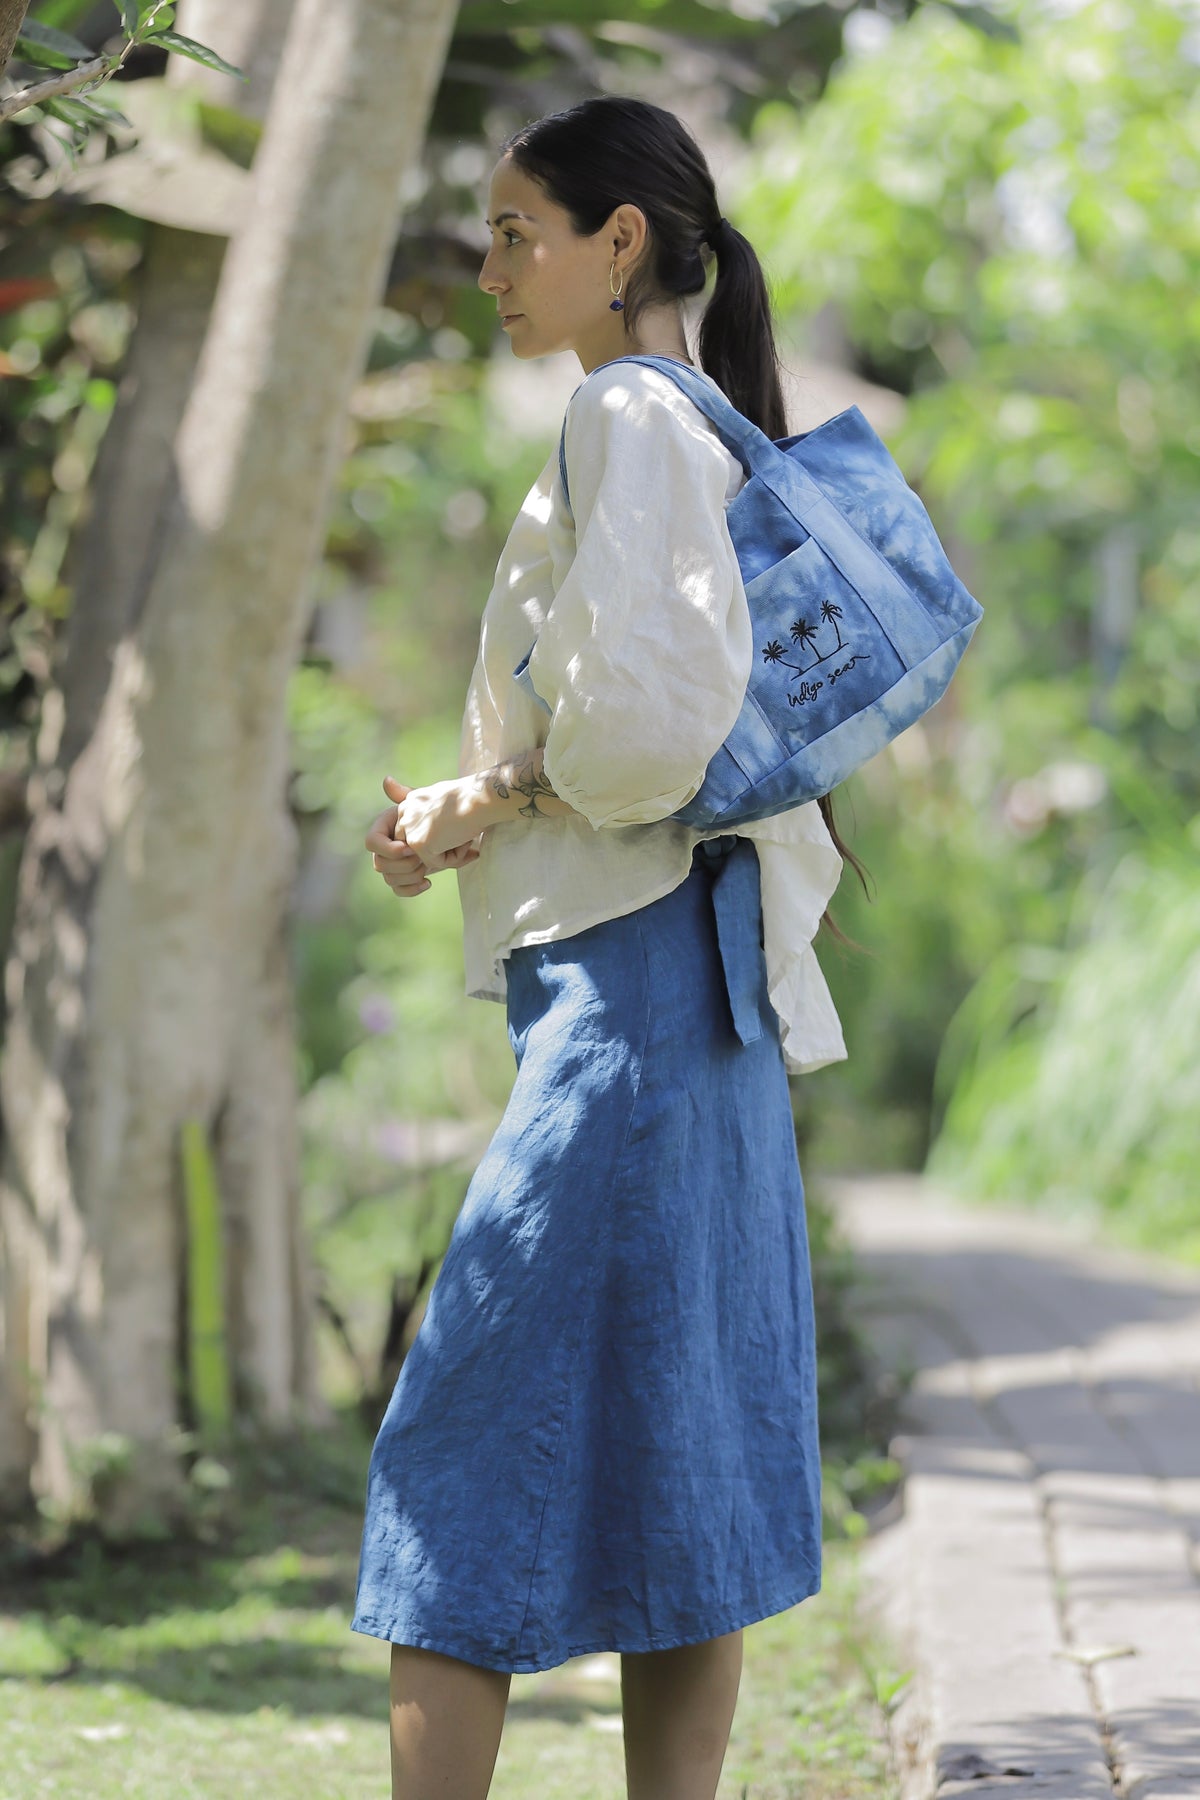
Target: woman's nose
488, 281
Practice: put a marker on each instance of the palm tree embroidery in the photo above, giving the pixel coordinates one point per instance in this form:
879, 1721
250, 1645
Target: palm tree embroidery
831, 613
804, 635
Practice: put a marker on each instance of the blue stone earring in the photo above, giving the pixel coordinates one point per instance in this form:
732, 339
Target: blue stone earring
615, 305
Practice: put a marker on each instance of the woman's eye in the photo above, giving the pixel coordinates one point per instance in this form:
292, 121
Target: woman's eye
515, 235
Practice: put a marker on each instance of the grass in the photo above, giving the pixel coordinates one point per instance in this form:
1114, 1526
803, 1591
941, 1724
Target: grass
228, 1669
1071, 1078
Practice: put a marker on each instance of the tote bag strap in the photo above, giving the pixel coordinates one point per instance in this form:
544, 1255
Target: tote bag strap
740, 435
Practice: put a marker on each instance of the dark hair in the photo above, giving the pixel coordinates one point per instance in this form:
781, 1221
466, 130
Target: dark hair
610, 150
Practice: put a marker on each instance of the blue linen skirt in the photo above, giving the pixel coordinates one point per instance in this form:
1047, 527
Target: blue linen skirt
604, 1436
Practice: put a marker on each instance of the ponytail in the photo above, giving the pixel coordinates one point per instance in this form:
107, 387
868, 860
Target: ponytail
737, 334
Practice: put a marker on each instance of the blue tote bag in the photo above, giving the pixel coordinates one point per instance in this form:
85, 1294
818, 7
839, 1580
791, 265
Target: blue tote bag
859, 620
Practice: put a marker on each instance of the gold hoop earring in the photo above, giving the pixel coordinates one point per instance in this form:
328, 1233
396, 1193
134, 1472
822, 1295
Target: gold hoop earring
617, 305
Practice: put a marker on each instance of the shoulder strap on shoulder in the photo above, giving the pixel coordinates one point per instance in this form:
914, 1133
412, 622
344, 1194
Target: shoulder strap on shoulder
740, 436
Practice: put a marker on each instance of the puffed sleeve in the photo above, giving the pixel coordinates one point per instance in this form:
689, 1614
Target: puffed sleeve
645, 651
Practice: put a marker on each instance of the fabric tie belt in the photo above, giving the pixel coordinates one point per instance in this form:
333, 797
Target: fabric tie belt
731, 864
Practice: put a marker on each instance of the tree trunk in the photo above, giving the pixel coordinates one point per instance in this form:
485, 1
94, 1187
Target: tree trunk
109, 565
149, 980
12, 17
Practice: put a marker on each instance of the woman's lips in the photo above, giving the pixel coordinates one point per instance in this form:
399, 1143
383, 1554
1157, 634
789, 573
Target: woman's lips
507, 318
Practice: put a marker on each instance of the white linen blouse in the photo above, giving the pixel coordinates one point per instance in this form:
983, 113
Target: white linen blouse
633, 616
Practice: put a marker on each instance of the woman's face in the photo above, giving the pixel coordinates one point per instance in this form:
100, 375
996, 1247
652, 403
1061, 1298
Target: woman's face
551, 287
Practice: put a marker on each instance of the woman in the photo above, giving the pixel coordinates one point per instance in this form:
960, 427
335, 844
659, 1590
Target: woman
605, 1434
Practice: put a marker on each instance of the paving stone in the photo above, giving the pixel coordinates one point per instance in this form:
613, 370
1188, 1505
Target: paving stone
1052, 1455
1183, 1498
1035, 1787
1085, 1501
1155, 1733
1058, 1423
1160, 1414
987, 1629
1163, 1348
1125, 1563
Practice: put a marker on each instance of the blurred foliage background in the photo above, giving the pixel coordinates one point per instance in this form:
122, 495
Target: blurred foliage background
991, 215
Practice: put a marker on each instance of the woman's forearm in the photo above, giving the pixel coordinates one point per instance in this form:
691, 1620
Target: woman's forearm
519, 789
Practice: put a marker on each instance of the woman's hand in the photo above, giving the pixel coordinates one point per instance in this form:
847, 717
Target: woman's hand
438, 827
440, 823
404, 871
401, 868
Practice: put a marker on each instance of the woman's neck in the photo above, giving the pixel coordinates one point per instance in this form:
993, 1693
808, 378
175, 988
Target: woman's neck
659, 333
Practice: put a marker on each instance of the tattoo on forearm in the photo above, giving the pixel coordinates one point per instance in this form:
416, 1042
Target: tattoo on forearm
527, 778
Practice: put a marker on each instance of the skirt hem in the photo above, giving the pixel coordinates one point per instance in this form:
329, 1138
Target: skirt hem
397, 1633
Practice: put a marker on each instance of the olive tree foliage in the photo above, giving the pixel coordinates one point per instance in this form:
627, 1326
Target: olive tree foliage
147, 983
69, 94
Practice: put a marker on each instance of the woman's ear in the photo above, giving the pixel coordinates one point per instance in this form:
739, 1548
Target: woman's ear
628, 232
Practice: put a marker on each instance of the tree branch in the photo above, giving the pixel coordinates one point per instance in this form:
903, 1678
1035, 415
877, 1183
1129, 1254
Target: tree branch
66, 83
12, 17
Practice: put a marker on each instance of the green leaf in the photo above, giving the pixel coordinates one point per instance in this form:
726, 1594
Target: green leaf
690, 18
52, 49
887, 1688
71, 109
86, 110
186, 46
34, 31
129, 17
110, 115
60, 109
153, 16
27, 51
83, 110
62, 13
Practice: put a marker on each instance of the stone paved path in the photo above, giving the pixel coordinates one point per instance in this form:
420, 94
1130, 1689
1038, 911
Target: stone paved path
1044, 1573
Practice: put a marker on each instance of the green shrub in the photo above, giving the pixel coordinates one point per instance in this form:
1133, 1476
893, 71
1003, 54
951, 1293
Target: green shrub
1074, 1078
